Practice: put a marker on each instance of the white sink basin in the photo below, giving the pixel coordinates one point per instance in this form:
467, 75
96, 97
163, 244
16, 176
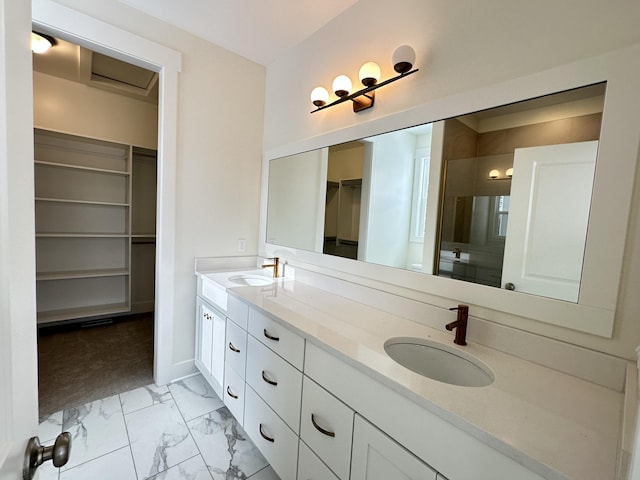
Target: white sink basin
251, 280
439, 362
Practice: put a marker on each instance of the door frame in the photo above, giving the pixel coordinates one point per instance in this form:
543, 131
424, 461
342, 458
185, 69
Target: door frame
86, 31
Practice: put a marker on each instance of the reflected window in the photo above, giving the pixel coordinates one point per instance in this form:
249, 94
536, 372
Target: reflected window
501, 216
419, 203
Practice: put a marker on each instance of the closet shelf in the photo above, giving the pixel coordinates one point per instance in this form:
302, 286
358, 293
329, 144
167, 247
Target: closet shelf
85, 202
81, 312
80, 235
68, 275
82, 167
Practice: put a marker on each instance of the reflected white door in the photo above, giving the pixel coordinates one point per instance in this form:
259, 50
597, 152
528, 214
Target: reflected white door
546, 232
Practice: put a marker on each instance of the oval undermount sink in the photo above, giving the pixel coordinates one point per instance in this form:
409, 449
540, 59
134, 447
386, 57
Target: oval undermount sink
251, 280
439, 362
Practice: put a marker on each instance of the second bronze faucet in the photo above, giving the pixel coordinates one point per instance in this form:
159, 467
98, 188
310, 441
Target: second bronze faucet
460, 324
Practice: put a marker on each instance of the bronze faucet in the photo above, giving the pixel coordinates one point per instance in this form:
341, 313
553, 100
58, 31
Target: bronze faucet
275, 265
460, 324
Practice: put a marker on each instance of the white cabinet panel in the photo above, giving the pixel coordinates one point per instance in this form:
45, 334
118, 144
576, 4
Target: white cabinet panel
238, 311
378, 457
327, 427
310, 467
236, 346
270, 434
234, 393
277, 337
276, 381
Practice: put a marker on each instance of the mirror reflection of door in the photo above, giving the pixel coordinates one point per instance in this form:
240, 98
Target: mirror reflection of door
344, 194
480, 217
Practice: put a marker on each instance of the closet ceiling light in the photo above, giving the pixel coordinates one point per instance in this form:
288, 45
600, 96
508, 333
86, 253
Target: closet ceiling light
40, 42
369, 74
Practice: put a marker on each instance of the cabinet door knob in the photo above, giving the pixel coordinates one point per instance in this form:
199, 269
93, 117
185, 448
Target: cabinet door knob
231, 394
328, 433
270, 382
271, 337
233, 348
265, 436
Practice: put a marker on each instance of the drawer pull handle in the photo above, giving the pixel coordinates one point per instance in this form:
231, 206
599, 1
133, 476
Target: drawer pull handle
232, 395
271, 337
320, 429
265, 436
233, 348
270, 382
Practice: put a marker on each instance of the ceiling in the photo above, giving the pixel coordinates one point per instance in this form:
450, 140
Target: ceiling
256, 29
72, 62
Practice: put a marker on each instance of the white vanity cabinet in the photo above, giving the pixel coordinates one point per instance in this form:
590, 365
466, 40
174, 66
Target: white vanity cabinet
275, 356
233, 394
210, 339
375, 456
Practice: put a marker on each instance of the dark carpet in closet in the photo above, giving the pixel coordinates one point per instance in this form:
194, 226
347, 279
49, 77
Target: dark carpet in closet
80, 364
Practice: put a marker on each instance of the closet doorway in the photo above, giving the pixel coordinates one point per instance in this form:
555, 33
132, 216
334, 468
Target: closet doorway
95, 144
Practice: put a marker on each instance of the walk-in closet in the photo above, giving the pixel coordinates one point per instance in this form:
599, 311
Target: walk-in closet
95, 174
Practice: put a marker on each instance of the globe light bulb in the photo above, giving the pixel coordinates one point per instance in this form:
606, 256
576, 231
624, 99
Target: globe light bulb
342, 85
319, 96
369, 74
403, 59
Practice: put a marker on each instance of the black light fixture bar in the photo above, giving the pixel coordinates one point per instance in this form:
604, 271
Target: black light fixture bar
364, 91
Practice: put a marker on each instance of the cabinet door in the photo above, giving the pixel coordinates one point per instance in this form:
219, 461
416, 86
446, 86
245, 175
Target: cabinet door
217, 356
376, 456
204, 339
210, 341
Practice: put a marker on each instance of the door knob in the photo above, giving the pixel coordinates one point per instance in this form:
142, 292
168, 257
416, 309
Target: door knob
35, 454
509, 286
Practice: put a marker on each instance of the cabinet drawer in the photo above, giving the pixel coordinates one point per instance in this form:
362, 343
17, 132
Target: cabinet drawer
238, 311
326, 425
277, 337
310, 467
236, 345
276, 381
270, 434
233, 393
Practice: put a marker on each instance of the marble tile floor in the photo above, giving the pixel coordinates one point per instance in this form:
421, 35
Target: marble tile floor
179, 431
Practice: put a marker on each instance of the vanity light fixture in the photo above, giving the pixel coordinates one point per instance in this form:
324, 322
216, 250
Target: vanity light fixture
40, 42
403, 59
495, 174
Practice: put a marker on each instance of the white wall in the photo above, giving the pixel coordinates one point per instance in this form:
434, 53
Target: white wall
71, 107
461, 47
220, 124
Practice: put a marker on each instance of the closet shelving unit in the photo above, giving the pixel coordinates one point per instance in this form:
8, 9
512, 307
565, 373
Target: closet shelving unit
83, 213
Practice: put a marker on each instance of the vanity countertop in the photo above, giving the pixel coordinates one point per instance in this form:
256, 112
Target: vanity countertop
555, 424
